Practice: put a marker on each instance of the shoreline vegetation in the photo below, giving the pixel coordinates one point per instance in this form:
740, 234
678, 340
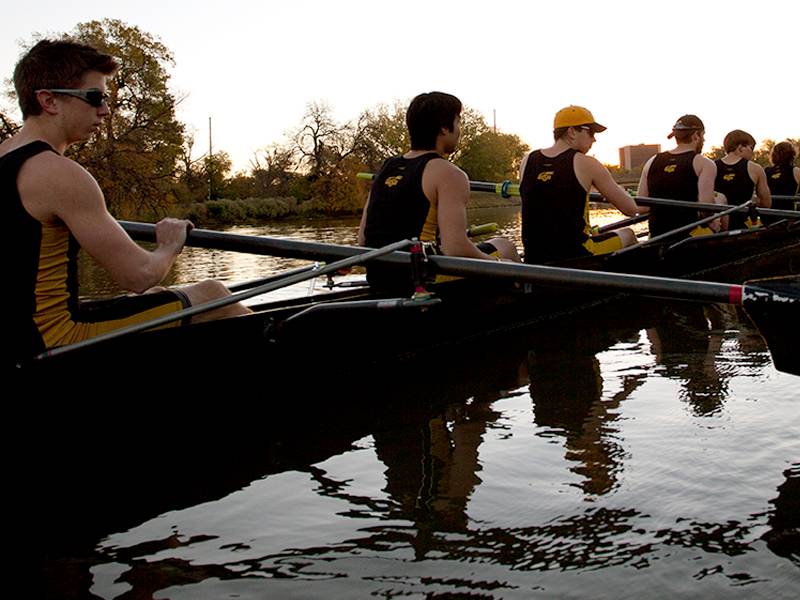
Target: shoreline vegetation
227, 212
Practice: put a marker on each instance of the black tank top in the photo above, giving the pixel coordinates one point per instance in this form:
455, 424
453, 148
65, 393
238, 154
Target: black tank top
397, 205
554, 208
734, 181
672, 176
21, 243
397, 210
780, 179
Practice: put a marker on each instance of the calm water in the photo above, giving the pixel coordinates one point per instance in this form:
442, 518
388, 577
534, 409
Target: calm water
647, 450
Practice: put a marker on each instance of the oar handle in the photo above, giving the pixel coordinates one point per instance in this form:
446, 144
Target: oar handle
484, 229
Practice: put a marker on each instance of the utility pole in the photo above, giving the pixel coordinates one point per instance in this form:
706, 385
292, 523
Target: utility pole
494, 120
210, 163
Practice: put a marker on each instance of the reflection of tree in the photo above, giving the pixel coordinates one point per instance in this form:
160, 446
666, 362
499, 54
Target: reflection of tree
566, 388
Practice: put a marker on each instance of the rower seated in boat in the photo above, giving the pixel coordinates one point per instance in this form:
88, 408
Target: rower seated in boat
783, 178
421, 194
54, 207
555, 183
738, 177
682, 173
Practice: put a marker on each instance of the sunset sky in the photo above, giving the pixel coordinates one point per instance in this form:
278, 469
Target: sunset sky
254, 66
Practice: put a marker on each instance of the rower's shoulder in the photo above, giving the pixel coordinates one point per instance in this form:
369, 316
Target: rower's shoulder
50, 169
700, 160
442, 168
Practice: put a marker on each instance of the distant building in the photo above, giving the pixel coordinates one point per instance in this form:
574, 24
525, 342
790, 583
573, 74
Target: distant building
632, 157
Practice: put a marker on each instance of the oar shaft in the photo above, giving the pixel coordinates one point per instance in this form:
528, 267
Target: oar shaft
662, 287
622, 223
506, 188
262, 245
683, 229
247, 285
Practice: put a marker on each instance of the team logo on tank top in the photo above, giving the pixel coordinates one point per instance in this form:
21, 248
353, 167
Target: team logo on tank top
729, 176
545, 176
670, 168
393, 181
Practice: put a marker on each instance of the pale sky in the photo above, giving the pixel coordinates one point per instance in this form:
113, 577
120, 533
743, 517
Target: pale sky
254, 66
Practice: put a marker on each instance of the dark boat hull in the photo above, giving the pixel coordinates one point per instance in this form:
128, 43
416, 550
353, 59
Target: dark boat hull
341, 336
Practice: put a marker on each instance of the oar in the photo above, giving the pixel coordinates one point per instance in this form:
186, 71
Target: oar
708, 207
683, 229
451, 265
271, 286
248, 285
774, 306
623, 223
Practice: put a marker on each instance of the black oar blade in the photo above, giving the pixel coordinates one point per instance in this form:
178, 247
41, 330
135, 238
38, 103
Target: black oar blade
774, 306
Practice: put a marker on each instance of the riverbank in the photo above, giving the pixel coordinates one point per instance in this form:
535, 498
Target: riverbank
249, 211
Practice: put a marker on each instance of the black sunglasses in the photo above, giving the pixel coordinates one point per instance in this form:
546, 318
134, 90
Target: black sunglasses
93, 97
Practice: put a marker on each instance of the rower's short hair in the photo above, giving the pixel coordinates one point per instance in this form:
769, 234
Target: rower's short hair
737, 138
783, 153
426, 116
685, 127
559, 132
52, 64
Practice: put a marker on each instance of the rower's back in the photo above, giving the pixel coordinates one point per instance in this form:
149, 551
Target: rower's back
672, 176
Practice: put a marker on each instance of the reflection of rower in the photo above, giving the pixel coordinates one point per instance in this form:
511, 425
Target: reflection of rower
566, 388
783, 538
431, 468
686, 344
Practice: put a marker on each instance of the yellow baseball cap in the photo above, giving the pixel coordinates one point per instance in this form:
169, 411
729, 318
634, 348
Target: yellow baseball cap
572, 116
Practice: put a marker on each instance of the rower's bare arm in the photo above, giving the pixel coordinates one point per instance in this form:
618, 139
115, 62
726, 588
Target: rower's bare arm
610, 189
762, 188
522, 166
451, 191
643, 190
706, 174
70, 193
362, 226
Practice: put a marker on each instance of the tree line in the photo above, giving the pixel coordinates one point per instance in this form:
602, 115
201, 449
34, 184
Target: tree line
143, 155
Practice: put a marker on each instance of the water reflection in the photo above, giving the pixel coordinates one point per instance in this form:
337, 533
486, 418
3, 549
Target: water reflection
688, 339
549, 462
566, 387
783, 537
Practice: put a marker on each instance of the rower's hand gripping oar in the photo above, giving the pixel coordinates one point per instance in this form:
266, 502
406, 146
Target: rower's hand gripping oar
270, 286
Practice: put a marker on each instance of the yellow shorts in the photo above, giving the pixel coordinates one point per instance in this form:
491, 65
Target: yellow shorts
603, 243
101, 316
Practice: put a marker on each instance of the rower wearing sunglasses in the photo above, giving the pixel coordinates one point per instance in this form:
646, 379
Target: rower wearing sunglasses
53, 207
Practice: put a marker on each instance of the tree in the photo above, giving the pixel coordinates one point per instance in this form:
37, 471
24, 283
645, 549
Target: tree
321, 143
492, 156
272, 171
385, 134
473, 125
134, 156
7, 127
